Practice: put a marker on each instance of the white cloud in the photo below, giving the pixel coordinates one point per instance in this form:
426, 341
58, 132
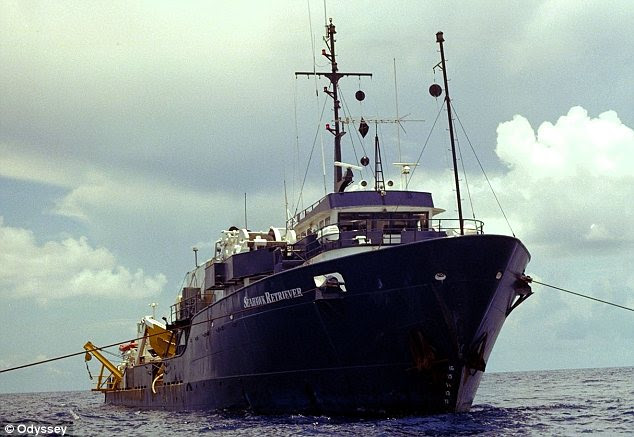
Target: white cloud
575, 144
567, 192
568, 186
571, 182
60, 269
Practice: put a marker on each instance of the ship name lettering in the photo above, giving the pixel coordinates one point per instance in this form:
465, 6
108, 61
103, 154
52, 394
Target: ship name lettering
267, 297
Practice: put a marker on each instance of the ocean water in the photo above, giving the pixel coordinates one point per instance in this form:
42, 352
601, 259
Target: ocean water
560, 402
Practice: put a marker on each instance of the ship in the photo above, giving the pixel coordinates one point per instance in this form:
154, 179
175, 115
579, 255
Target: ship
365, 302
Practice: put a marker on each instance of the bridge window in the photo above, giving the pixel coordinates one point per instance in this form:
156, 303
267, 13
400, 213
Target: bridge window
389, 222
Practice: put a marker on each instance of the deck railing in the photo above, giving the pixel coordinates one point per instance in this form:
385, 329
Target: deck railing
366, 233
186, 308
292, 222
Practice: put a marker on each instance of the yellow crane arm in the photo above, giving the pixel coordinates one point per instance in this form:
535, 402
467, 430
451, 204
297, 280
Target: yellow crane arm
116, 373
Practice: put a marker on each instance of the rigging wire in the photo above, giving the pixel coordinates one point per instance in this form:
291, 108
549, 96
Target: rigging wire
101, 348
466, 179
312, 150
483, 172
325, 15
312, 42
398, 127
112, 354
529, 279
323, 163
420, 155
346, 109
295, 173
62, 357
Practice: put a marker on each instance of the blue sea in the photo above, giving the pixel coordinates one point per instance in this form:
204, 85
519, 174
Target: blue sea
556, 402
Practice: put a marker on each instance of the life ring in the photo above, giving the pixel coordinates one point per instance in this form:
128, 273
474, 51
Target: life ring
127, 346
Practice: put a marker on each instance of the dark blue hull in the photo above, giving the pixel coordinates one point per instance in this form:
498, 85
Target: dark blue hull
411, 334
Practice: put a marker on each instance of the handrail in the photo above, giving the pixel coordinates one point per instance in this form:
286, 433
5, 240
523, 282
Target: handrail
362, 233
292, 222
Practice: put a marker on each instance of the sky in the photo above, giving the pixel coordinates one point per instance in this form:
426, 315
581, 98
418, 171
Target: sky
130, 133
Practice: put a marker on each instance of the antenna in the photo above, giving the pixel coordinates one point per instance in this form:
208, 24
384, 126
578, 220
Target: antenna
349, 120
245, 211
195, 249
398, 131
325, 15
153, 305
286, 206
434, 90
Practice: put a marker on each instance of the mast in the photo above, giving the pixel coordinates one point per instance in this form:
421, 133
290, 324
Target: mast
334, 80
334, 75
440, 40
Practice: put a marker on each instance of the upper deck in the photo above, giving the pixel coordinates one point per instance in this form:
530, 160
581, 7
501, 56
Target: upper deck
316, 215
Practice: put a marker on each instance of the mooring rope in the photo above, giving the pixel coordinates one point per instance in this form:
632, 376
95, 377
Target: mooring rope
529, 279
85, 351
